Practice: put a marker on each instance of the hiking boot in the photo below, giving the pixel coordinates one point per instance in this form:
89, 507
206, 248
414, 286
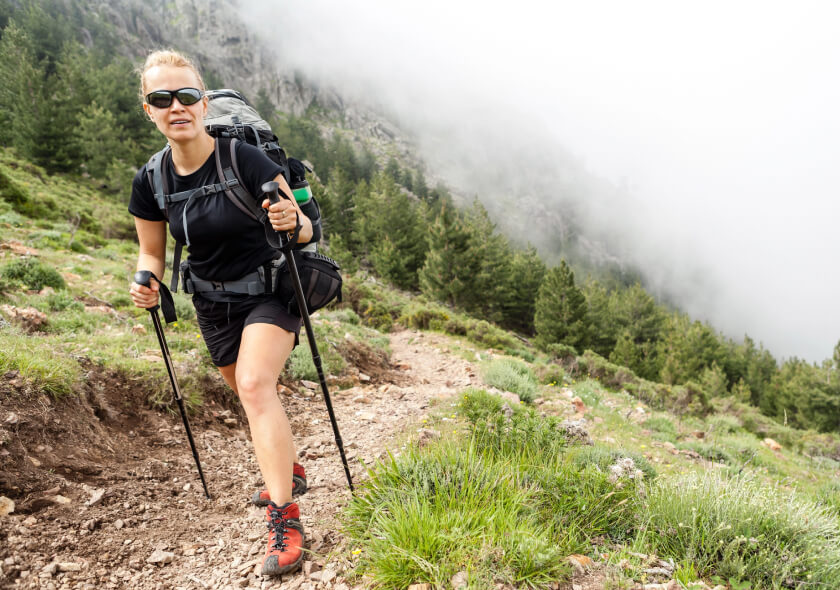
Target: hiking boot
262, 498
285, 539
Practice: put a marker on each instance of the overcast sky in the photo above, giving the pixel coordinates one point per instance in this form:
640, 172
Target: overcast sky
718, 121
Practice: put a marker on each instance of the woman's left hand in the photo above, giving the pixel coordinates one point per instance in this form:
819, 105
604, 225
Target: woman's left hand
282, 215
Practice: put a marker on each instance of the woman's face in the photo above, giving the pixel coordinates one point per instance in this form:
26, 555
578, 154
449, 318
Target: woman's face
177, 122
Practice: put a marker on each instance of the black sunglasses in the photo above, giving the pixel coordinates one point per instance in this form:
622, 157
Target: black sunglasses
163, 98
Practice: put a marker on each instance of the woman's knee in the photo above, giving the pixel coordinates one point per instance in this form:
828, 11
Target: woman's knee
254, 388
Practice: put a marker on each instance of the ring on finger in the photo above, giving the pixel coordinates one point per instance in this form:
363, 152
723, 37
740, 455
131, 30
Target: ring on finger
283, 213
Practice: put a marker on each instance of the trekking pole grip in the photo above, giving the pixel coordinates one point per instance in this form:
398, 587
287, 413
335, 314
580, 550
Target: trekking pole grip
144, 278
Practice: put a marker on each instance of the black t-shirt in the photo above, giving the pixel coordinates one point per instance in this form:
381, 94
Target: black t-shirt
224, 243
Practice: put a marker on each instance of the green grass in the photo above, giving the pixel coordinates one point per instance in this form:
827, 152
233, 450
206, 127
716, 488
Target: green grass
500, 499
55, 373
745, 530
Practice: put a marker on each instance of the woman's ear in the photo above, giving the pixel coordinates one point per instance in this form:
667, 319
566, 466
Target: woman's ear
148, 111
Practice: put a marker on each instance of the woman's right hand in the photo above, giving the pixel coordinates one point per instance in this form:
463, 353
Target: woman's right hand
145, 297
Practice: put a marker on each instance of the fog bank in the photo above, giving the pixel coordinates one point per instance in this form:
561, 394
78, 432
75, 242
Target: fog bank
701, 139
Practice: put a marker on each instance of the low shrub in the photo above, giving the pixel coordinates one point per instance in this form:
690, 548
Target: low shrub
603, 458
741, 529
512, 375
661, 425
597, 367
710, 451
33, 273
724, 424
551, 374
424, 316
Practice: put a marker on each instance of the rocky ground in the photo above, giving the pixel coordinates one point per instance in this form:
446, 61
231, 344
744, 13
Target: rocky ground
106, 492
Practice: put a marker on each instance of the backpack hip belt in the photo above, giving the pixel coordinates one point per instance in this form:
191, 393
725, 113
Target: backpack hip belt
253, 283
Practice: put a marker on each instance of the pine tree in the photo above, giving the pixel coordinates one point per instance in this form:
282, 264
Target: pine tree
21, 91
448, 268
526, 273
560, 309
389, 228
601, 327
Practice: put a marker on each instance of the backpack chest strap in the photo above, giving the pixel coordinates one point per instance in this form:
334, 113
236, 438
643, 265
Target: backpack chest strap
209, 189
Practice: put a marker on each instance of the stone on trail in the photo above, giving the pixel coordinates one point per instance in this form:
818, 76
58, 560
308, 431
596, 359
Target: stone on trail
69, 566
160, 557
96, 496
7, 506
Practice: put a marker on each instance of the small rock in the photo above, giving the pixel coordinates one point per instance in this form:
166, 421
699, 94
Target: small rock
309, 384
160, 557
69, 566
699, 434
580, 562
361, 399
580, 407
420, 587
369, 416
11, 417
59, 499
7, 506
118, 524
34, 461
427, 435
459, 580
507, 411
96, 496
138, 329
30, 521
364, 378
50, 568
772, 444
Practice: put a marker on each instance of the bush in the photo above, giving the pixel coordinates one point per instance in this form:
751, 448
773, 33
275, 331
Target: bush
744, 530
724, 424
661, 425
603, 458
551, 374
424, 316
597, 367
512, 375
709, 451
33, 273
62, 300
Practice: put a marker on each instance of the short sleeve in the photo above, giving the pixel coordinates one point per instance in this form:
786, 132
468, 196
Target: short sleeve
255, 168
142, 203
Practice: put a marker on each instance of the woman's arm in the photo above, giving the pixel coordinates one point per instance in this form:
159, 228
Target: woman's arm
282, 214
152, 238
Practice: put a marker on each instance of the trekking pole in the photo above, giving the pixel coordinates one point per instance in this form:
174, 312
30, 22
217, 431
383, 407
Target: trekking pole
143, 277
272, 190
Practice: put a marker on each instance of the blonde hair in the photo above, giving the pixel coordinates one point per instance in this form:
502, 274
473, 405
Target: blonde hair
167, 57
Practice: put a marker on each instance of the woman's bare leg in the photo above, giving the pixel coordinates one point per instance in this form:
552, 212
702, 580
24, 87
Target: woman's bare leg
262, 355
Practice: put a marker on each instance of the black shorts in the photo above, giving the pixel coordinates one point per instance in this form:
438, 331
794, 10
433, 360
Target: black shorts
221, 323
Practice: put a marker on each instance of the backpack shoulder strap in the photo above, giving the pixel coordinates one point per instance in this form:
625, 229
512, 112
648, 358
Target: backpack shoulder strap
157, 179
228, 170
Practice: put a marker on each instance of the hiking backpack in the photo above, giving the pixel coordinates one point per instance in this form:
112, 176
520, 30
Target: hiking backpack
231, 118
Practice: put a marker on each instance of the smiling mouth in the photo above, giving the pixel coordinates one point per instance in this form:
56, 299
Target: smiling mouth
179, 122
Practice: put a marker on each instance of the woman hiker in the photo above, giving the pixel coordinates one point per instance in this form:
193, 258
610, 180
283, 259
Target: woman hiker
249, 337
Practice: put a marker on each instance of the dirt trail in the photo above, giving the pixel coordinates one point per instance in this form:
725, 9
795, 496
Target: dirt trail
103, 488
